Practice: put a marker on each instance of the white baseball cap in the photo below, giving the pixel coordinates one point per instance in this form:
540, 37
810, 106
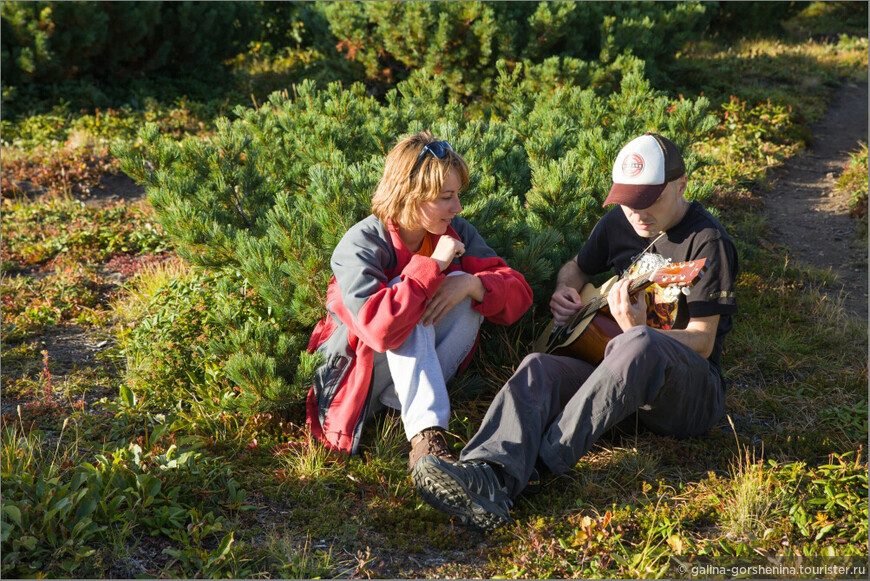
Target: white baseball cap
644, 166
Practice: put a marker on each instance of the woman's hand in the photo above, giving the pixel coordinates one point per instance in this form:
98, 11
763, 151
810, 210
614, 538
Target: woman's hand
453, 290
447, 249
626, 310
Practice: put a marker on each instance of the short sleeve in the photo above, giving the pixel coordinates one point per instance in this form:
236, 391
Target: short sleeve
714, 294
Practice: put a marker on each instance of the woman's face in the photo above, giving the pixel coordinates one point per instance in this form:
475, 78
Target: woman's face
435, 215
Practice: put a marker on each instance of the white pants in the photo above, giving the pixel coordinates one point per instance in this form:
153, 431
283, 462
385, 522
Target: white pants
413, 377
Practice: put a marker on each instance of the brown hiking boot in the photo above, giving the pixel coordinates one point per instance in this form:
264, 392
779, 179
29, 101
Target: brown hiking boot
429, 442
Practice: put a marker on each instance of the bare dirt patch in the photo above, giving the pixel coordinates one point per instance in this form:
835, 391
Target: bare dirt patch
74, 348
808, 215
115, 188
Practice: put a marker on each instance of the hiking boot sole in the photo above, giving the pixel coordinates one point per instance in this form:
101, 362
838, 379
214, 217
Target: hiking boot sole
449, 495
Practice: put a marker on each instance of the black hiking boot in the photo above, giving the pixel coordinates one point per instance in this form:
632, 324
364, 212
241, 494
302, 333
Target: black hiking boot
468, 490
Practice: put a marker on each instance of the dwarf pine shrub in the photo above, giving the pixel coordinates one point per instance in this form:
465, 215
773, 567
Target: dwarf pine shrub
271, 193
464, 41
201, 338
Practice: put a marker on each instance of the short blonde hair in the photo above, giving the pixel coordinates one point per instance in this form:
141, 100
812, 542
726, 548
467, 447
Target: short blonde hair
410, 179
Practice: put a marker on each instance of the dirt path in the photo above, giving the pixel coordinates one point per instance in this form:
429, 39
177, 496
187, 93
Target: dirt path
809, 216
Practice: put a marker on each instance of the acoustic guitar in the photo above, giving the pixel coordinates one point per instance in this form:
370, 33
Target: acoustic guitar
588, 331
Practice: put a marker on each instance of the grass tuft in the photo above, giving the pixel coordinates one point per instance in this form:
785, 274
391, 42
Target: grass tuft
749, 499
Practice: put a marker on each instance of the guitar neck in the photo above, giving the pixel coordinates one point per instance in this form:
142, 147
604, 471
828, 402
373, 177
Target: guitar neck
681, 274
600, 301
638, 285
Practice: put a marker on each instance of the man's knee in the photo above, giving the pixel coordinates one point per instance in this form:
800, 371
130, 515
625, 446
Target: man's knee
535, 365
532, 383
636, 340
531, 373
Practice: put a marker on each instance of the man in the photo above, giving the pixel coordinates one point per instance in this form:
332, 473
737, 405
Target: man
553, 409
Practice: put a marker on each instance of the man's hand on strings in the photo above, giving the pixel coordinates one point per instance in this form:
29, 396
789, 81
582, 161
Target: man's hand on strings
564, 303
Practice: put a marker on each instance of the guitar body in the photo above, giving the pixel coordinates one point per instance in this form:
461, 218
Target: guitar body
586, 335
592, 339
587, 338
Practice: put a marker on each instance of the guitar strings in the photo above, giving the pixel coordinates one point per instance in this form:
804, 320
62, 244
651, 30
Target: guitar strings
593, 305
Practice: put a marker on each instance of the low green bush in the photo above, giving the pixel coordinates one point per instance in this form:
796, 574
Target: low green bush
95, 55
104, 54
209, 344
62, 227
62, 128
464, 41
740, 19
854, 181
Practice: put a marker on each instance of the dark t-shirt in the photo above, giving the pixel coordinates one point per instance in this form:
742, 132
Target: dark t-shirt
613, 244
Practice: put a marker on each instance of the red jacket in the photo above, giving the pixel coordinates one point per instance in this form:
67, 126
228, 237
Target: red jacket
366, 315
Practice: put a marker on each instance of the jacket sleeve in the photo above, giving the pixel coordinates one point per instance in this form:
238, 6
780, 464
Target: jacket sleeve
381, 316
507, 295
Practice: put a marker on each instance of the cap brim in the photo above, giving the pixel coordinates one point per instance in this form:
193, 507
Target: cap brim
636, 197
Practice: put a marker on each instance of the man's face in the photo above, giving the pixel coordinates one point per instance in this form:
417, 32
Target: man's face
665, 212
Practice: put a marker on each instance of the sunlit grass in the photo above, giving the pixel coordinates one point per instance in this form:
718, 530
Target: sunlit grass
133, 304
854, 181
297, 559
649, 558
749, 498
389, 443
308, 460
827, 18
60, 128
38, 454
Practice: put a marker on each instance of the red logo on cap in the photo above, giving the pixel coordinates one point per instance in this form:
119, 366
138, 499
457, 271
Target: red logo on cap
632, 165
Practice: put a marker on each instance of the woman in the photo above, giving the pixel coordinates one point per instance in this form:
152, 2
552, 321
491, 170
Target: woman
411, 285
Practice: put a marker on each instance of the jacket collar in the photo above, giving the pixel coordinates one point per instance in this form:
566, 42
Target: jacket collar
403, 254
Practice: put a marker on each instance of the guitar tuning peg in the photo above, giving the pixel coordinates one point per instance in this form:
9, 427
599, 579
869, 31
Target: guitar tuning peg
686, 290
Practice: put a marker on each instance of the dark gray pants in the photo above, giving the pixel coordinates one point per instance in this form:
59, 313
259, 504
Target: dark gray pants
555, 408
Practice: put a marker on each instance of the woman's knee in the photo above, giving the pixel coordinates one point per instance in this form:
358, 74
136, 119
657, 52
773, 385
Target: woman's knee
464, 309
460, 320
419, 342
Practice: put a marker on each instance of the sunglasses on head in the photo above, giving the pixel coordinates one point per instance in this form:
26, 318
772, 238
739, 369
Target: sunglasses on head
437, 148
